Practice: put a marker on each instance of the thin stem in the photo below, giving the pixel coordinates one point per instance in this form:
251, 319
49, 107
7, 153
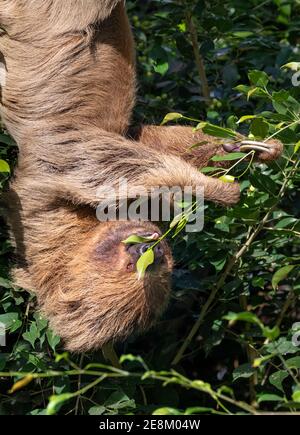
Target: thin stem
198, 58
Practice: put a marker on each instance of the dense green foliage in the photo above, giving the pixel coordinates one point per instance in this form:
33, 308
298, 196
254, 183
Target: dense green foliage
225, 344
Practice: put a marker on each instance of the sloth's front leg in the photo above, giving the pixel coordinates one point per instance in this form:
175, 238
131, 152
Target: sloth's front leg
199, 148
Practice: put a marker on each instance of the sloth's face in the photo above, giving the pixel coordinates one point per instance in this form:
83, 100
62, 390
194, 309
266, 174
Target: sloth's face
124, 257
106, 300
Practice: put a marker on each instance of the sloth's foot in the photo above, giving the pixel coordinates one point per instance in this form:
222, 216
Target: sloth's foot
265, 151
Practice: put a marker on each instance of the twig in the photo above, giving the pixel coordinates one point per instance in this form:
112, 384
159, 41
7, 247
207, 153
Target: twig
198, 58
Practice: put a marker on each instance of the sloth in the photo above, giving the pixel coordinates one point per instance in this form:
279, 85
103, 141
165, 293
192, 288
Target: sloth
67, 98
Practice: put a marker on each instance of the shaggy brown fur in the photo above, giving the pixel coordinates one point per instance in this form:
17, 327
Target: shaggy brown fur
67, 100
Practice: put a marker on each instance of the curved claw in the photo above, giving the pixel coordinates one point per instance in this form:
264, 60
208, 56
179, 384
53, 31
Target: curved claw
251, 145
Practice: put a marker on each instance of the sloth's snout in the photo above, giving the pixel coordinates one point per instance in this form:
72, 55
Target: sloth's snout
136, 251
158, 250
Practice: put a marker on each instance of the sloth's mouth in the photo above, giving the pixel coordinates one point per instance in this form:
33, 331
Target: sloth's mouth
247, 145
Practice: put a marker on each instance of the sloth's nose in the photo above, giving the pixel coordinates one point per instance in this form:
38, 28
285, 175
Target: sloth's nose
136, 251
158, 250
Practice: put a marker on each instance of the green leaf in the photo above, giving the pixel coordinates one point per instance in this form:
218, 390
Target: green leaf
293, 363
119, 400
9, 319
285, 222
243, 89
227, 178
4, 166
282, 347
56, 402
32, 335
258, 78
243, 371
144, 262
281, 274
277, 378
294, 66
5, 283
271, 333
209, 169
171, 117
97, 410
177, 219
166, 411
7, 140
215, 130
270, 398
297, 147
134, 239
284, 103
161, 68
257, 92
245, 317
259, 128
296, 396
53, 339
245, 118
231, 156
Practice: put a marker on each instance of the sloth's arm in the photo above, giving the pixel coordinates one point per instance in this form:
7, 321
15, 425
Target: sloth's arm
81, 168
180, 141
